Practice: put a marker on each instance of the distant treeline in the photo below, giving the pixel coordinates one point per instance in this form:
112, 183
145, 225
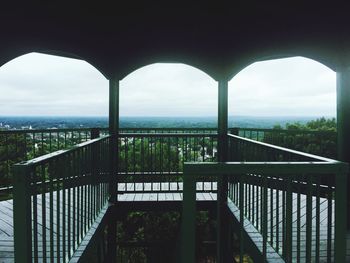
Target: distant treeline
154, 122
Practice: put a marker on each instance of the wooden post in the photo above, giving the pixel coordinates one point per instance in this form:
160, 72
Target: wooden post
188, 220
22, 214
222, 225
340, 216
113, 131
343, 122
113, 154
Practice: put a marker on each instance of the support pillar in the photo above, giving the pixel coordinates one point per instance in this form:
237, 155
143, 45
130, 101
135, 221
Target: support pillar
343, 123
113, 131
222, 222
113, 154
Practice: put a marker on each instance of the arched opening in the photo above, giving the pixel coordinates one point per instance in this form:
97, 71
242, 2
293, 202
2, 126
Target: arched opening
44, 85
53, 101
284, 87
294, 93
177, 92
170, 111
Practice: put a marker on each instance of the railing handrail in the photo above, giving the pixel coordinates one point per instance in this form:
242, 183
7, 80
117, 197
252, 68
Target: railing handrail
279, 148
49, 156
168, 134
192, 171
280, 168
283, 130
103, 128
162, 128
52, 130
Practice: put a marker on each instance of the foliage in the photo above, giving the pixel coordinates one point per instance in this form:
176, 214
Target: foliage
155, 236
316, 137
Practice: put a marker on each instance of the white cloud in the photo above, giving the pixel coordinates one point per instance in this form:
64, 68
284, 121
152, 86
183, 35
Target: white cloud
168, 90
292, 86
37, 84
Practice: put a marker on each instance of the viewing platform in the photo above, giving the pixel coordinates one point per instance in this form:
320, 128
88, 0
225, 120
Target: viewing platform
283, 205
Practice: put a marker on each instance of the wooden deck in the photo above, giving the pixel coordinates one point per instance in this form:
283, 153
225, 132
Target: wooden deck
167, 192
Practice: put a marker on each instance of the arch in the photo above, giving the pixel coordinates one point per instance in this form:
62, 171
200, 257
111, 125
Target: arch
180, 88
139, 65
13, 54
327, 60
38, 81
279, 86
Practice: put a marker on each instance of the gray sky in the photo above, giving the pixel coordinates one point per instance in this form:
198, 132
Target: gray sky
36, 84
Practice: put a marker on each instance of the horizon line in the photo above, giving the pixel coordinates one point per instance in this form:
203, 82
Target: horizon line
175, 116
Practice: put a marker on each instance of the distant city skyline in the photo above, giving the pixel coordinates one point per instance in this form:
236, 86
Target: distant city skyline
45, 85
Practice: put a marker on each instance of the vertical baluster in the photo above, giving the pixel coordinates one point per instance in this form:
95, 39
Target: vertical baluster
298, 221
42, 144
25, 146
34, 145
58, 212
52, 167
241, 217
329, 223
317, 241
81, 174
246, 199
249, 201
253, 204
169, 155
75, 204
271, 214
309, 219
277, 218
161, 155
264, 216
289, 221
35, 213
58, 140
43, 210
69, 202
258, 206
284, 247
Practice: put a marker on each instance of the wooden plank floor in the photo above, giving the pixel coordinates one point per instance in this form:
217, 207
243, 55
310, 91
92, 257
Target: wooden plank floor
275, 223
167, 192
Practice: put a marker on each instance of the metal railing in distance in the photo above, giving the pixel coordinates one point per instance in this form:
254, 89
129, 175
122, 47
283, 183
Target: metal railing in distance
295, 201
323, 143
151, 158
57, 197
168, 130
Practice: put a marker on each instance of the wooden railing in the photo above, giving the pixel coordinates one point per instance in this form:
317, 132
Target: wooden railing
55, 190
158, 157
283, 194
22, 145
321, 143
57, 198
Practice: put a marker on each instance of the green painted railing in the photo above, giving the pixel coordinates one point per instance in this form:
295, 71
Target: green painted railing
57, 198
158, 157
21, 145
322, 143
282, 194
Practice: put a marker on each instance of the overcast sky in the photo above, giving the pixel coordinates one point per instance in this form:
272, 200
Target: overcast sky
37, 84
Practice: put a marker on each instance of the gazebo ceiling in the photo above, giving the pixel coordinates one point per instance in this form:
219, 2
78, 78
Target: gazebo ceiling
218, 39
